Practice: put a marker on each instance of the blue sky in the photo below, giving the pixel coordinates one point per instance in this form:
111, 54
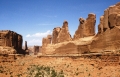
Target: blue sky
34, 19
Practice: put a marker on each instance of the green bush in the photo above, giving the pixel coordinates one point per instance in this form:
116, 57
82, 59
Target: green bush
43, 71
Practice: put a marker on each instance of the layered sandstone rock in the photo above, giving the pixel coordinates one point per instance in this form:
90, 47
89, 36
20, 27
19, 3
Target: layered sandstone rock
108, 35
11, 39
89, 28
107, 41
46, 40
20, 40
100, 26
79, 32
111, 16
86, 27
107, 38
55, 34
37, 50
64, 34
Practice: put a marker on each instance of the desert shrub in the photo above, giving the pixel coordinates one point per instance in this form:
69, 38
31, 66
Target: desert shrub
43, 71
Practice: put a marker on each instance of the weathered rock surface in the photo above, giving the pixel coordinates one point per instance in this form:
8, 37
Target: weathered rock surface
107, 41
47, 40
86, 27
11, 39
37, 49
118, 20
100, 26
64, 34
85, 40
79, 32
55, 34
89, 27
107, 38
7, 50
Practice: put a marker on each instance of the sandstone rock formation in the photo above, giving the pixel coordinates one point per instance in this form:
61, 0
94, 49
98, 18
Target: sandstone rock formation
89, 28
100, 26
64, 34
107, 38
86, 27
11, 39
37, 49
26, 48
108, 35
55, 34
46, 40
79, 32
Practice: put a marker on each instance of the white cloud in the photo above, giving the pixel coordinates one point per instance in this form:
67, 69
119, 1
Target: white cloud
36, 38
28, 35
40, 34
35, 42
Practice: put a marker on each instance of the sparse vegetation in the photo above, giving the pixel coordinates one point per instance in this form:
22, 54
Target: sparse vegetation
43, 71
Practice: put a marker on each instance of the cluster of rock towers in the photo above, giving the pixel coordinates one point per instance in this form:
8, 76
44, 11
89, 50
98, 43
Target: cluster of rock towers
107, 38
86, 28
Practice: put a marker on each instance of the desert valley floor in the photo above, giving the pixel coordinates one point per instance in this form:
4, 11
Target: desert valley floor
75, 66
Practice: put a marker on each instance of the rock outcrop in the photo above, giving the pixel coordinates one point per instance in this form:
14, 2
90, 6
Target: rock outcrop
100, 26
107, 38
47, 40
26, 48
108, 35
86, 27
64, 34
79, 32
89, 28
55, 34
37, 49
11, 39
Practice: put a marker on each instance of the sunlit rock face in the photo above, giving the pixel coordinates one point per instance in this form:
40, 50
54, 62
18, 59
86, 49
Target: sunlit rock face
86, 27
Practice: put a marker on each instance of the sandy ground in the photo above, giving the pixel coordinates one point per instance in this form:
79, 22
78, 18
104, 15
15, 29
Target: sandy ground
71, 66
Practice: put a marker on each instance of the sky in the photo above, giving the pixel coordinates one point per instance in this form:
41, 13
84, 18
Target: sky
35, 19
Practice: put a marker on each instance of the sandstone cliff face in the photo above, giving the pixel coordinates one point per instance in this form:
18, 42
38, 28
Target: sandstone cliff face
89, 29
11, 39
47, 40
100, 26
79, 32
64, 34
55, 34
86, 27
107, 38
108, 35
